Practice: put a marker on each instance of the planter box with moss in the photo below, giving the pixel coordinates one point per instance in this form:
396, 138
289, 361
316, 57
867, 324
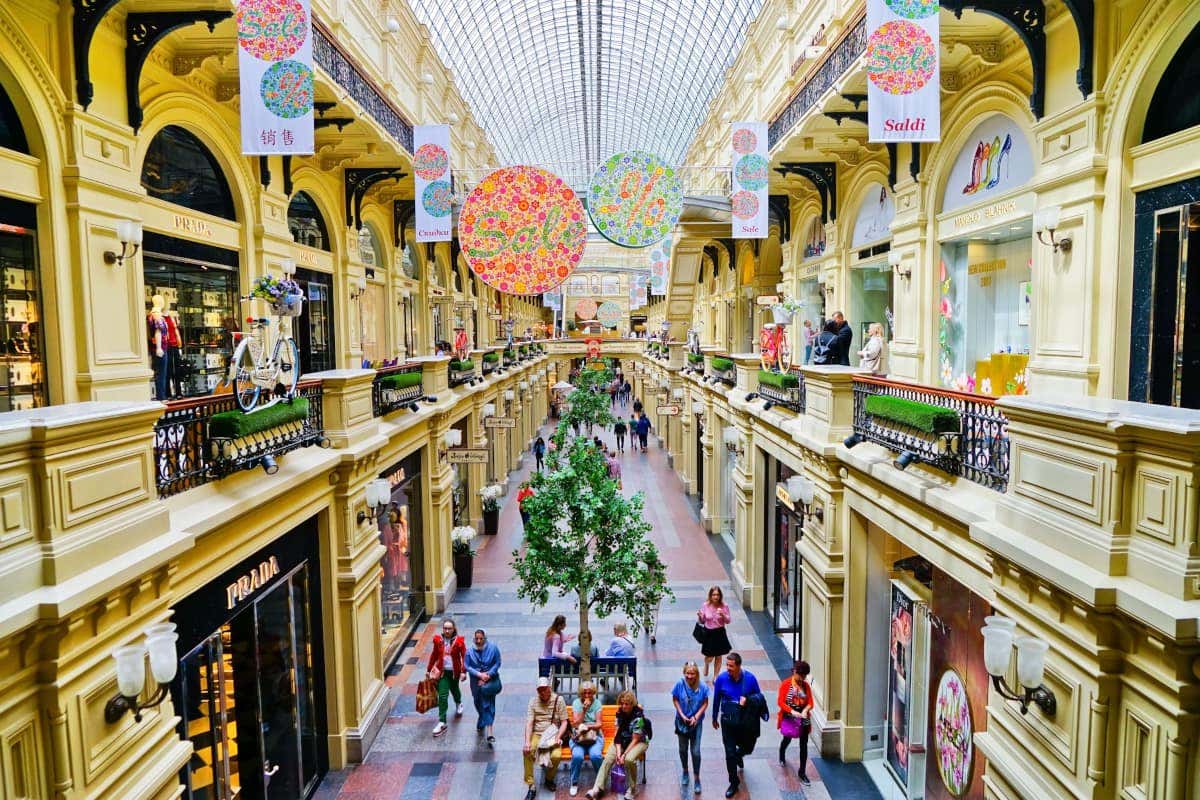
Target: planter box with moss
778, 380
466, 365
404, 380
923, 417
236, 425
696, 359
721, 364
491, 358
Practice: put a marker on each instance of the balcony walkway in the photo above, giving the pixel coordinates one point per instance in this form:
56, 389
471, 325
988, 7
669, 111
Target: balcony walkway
406, 763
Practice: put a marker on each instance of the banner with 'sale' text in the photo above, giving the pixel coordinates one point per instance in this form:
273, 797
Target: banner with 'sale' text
904, 71
432, 188
748, 184
275, 72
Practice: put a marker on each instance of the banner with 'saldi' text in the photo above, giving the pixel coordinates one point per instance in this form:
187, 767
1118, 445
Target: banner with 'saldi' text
903, 71
275, 72
748, 185
432, 188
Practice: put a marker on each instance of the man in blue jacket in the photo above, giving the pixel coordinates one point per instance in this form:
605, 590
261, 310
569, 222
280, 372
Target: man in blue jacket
737, 701
643, 430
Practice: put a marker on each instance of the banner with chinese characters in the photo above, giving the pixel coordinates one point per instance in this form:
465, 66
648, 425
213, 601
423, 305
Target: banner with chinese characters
660, 266
903, 81
431, 165
748, 187
275, 69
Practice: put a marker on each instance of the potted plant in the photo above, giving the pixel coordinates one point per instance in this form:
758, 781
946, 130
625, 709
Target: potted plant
491, 508
784, 311
464, 557
284, 294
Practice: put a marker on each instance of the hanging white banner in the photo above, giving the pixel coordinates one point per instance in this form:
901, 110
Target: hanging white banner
903, 71
275, 70
748, 187
660, 266
431, 163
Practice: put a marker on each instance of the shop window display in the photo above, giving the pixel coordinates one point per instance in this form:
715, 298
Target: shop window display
400, 534
179, 169
313, 329
23, 365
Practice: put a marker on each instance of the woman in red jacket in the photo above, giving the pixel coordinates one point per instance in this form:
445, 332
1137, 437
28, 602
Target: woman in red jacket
446, 667
795, 706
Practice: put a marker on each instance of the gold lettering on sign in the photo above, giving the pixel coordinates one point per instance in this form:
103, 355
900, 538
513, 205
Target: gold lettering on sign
197, 227
1004, 209
251, 582
308, 258
984, 267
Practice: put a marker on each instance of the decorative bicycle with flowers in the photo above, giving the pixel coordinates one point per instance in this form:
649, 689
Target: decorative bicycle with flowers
262, 361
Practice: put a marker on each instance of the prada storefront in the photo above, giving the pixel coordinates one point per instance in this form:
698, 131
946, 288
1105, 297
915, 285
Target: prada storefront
250, 689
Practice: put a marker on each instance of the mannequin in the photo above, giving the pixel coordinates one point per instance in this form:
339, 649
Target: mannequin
461, 344
156, 329
173, 343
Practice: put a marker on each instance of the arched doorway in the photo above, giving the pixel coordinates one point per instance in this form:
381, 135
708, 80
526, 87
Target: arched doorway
313, 329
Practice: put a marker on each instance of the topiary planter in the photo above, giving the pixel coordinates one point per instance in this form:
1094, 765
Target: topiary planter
405, 380
235, 424
464, 568
491, 521
780, 380
721, 364
924, 417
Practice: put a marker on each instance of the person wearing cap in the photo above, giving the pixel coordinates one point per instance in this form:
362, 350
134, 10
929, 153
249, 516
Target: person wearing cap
546, 722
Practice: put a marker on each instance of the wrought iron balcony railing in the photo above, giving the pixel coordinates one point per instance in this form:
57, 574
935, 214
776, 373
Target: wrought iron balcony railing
390, 392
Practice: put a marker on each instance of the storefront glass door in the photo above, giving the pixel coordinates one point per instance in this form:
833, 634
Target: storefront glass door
785, 586
313, 329
23, 361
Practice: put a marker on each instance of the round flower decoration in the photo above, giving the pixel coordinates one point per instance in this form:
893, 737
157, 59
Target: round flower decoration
751, 172
744, 141
271, 30
635, 199
609, 314
436, 198
585, 308
287, 89
913, 9
522, 230
901, 57
952, 734
744, 205
430, 162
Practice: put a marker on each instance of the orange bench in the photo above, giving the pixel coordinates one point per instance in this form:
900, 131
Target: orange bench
608, 726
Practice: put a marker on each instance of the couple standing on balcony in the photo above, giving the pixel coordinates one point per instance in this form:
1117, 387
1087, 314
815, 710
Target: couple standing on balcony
832, 345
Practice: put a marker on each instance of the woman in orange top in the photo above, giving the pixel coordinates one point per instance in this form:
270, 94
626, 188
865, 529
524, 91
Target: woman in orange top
524, 494
795, 706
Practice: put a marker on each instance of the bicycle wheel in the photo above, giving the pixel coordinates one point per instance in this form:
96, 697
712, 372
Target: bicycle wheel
287, 362
245, 390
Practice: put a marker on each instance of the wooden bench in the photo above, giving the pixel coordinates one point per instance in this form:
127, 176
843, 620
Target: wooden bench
608, 726
610, 675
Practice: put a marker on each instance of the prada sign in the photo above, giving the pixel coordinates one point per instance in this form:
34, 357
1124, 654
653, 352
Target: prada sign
251, 582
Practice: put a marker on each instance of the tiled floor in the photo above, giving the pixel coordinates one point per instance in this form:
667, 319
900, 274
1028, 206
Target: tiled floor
406, 763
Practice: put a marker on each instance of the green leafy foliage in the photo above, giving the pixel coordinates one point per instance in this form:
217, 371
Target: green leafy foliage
924, 417
780, 380
721, 364
491, 357
466, 365
695, 358
584, 537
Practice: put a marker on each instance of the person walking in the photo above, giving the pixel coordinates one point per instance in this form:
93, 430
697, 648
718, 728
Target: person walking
690, 697
614, 467
628, 392
738, 705
546, 721
483, 666
587, 734
523, 494
556, 639
539, 452
825, 345
809, 335
871, 356
446, 667
714, 616
637, 406
629, 744
845, 336
633, 440
795, 703
643, 430
619, 430
621, 645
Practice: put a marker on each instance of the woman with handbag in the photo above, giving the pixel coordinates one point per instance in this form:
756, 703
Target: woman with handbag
483, 665
446, 667
795, 708
713, 616
587, 737
690, 696
629, 744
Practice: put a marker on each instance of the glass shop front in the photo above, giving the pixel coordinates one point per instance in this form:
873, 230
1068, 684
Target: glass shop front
250, 690
401, 532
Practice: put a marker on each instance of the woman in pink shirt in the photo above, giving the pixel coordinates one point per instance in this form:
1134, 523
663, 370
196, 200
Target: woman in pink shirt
714, 616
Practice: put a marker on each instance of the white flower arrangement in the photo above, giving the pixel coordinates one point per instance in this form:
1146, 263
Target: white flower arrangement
460, 540
491, 496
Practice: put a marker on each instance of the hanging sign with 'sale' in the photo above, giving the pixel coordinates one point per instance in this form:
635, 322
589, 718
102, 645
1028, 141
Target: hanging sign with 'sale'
275, 72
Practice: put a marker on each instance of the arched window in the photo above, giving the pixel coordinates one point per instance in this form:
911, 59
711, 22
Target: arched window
408, 263
1176, 103
306, 223
12, 135
180, 170
368, 247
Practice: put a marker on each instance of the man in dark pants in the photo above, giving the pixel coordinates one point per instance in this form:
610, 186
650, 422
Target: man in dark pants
845, 336
731, 691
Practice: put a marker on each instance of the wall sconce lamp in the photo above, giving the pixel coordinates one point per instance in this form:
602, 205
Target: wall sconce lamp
379, 499
288, 267
998, 642
451, 438
523, 386
698, 408
131, 672
895, 260
677, 394
1045, 221
393, 26
802, 491
488, 410
509, 395
129, 234
732, 441
358, 287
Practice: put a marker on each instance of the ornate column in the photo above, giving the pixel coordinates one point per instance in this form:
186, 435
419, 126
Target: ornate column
439, 563
747, 558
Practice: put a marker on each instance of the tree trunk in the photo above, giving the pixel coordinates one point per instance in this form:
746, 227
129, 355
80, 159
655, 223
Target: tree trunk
585, 639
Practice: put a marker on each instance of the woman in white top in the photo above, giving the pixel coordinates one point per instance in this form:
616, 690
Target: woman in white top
871, 356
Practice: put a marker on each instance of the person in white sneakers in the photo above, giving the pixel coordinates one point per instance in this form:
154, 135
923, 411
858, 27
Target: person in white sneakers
446, 667
546, 721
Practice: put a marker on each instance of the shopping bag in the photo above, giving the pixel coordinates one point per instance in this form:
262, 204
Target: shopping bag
700, 633
426, 695
616, 779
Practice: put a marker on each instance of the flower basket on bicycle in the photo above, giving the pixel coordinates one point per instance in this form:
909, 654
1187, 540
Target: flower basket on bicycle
288, 305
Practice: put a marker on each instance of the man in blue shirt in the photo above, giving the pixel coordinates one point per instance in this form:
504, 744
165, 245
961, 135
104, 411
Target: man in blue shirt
731, 690
620, 646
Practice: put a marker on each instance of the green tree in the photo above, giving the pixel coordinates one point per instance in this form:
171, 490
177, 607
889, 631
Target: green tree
584, 537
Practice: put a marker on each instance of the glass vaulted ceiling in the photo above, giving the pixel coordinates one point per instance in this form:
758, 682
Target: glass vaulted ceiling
574, 81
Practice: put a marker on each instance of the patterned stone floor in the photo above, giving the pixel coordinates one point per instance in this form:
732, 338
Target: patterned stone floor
406, 763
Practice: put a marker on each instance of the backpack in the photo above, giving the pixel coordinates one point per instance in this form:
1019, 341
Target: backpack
823, 352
